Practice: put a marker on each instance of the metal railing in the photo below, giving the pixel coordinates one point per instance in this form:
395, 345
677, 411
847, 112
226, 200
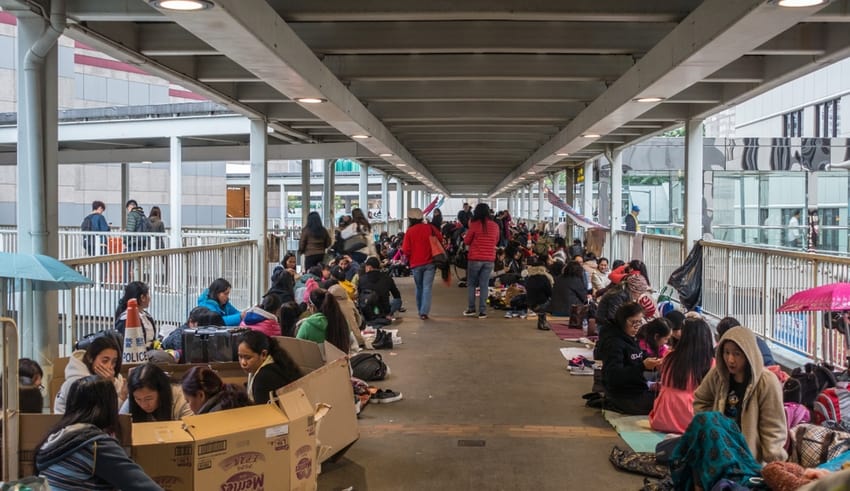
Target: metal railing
176, 277
662, 254
750, 283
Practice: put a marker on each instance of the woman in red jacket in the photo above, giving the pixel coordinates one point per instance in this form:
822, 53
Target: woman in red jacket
482, 237
417, 247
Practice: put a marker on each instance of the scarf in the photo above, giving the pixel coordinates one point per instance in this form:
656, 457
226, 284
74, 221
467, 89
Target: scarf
636, 285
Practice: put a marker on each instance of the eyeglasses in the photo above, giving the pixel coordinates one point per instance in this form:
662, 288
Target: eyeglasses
634, 322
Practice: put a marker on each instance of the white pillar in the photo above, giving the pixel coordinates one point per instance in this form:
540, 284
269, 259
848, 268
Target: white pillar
540, 191
616, 201
259, 201
364, 188
284, 206
400, 211
693, 182
306, 169
555, 186
529, 204
328, 193
587, 205
385, 199
175, 176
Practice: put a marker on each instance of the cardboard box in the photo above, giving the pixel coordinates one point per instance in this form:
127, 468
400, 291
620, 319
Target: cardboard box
165, 451
271, 446
327, 379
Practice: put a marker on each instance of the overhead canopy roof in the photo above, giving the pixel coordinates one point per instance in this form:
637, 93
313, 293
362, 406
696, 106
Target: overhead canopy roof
471, 96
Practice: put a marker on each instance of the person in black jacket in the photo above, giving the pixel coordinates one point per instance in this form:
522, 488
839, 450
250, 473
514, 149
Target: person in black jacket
382, 284
538, 288
569, 289
626, 389
268, 366
283, 285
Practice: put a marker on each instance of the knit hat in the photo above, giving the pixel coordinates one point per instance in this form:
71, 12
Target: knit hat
414, 213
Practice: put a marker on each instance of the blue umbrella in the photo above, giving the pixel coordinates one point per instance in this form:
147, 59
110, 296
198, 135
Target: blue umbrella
45, 272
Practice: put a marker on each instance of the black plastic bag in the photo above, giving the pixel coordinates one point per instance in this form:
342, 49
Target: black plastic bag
687, 279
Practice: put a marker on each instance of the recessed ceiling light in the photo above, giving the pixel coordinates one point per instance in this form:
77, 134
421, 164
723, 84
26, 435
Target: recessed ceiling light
182, 5
562, 154
402, 165
146, 162
269, 130
649, 99
385, 155
360, 137
531, 173
799, 3
310, 100
590, 135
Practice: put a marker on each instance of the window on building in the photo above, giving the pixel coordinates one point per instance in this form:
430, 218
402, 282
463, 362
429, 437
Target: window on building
792, 124
826, 119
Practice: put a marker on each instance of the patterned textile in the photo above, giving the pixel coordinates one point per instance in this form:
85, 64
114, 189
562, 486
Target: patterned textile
812, 445
712, 449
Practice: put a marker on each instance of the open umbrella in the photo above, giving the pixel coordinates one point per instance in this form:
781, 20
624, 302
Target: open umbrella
45, 272
829, 298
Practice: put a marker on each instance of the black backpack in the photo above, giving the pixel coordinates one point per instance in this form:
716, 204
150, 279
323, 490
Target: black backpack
143, 224
806, 383
369, 305
368, 366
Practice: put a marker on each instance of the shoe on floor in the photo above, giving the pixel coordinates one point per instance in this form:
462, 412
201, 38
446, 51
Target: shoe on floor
402, 309
424, 317
531, 315
386, 396
469, 313
482, 315
508, 315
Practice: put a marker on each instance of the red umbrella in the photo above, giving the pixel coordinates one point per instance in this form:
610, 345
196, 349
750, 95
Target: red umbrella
830, 298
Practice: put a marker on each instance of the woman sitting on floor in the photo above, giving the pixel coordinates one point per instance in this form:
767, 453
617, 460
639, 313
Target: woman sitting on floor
681, 373
653, 337
626, 389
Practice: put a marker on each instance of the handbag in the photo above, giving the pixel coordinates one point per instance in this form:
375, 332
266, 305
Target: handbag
355, 243
438, 252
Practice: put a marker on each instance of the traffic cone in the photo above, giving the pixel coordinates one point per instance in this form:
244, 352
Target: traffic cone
135, 350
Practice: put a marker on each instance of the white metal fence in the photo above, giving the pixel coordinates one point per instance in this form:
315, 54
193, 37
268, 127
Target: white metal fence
750, 283
176, 277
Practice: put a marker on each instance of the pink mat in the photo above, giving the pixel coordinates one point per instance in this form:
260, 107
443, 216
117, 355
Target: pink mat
564, 332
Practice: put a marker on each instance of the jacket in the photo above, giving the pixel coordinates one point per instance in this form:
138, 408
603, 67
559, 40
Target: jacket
313, 328
136, 214
382, 284
482, 242
228, 312
82, 456
260, 320
353, 229
599, 280
417, 244
283, 285
311, 245
157, 225
622, 366
269, 377
179, 406
614, 297
75, 370
762, 412
148, 326
538, 286
566, 292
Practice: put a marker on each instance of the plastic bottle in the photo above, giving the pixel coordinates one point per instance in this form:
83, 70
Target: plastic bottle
584, 326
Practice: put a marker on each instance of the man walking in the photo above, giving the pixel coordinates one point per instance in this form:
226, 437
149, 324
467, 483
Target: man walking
95, 244
135, 223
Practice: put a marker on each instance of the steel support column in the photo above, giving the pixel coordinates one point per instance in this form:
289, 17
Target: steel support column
328, 193
693, 182
175, 200
587, 194
364, 188
385, 199
259, 202
616, 201
306, 169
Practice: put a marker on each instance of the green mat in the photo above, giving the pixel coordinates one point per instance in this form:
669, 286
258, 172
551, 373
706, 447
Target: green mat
635, 431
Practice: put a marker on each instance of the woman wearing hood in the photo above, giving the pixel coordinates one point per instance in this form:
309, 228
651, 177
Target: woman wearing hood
740, 388
263, 317
349, 311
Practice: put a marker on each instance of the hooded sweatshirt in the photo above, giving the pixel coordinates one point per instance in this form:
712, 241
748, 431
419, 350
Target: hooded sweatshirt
260, 320
762, 414
349, 310
313, 328
75, 370
82, 456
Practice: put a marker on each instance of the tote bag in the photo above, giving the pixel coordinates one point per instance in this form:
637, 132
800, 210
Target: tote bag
438, 252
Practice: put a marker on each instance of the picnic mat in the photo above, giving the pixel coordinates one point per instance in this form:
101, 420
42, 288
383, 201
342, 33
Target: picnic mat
565, 333
635, 431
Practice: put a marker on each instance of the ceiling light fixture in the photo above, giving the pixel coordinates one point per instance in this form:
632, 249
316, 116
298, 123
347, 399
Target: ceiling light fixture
385, 155
590, 135
182, 5
562, 154
360, 137
531, 173
799, 3
649, 99
310, 100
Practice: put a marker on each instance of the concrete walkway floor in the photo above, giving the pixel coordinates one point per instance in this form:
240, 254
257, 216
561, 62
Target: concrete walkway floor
488, 404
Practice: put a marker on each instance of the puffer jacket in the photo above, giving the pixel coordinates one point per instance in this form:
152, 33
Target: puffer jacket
616, 296
260, 320
228, 312
762, 412
538, 286
82, 456
567, 291
313, 328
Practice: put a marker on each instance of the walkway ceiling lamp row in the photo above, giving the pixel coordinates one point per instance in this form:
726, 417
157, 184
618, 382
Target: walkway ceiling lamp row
182, 5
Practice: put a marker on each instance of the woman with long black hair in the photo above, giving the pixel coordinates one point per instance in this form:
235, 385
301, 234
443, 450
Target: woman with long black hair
314, 241
481, 237
326, 322
268, 366
141, 292
152, 397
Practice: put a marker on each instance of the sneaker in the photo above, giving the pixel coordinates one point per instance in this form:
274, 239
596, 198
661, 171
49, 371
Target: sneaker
508, 315
531, 315
482, 315
523, 315
469, 313
386, 396
424, 317
402, 309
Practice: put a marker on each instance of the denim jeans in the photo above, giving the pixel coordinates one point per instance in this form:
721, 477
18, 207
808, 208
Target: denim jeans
395, 304
478, 275
423, 278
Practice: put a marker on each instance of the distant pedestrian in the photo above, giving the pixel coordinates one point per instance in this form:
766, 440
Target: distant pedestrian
136, 223
794, 230
632, 223
482, 237
314, 241
157, 226
417, 247
95, 245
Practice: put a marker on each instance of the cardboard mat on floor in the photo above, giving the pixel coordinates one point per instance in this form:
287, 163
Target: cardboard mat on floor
634, 430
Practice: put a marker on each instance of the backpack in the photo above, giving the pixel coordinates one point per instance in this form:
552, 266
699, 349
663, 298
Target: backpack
86, 226
368, 305
143, 224
805, 384
833, 404
368, 366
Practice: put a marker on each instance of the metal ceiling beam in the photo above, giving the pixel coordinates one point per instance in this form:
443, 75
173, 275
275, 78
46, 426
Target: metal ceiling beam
350, 38
806, 38
112, 11
250, 33
476, 90
153, 38
715, 34
481, 111
415, 10
575, 68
